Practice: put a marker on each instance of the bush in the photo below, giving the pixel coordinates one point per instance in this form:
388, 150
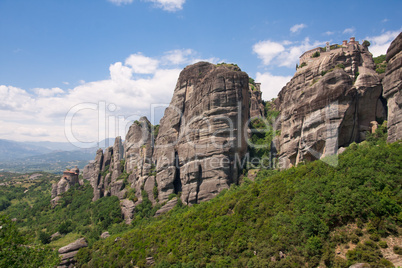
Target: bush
44, 237
316, 54
354, 238
359, 232
375, 237
397, 250
383, 244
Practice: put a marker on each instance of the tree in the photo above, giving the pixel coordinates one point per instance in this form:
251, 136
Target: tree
366, 43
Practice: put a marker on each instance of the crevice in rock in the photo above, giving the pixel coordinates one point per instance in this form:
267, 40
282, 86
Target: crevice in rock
199, 179
177, 181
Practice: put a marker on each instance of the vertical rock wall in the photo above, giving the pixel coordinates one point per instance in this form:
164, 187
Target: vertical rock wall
392, 84
202, 133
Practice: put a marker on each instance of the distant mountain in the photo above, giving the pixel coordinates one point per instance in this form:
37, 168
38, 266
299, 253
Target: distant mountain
10, 150
54, 162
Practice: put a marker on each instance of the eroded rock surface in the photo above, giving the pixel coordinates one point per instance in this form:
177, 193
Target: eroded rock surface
201, 133
68, 252
328, 104
392, 84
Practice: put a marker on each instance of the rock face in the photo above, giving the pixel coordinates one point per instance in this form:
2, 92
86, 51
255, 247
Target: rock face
201, 133
68, 252
256, 106
392, 84
328, 104
69, 179
201, 142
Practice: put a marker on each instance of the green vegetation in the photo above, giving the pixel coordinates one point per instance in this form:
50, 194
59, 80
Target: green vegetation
75, 214
303, 212
366, 43
16, 252
229, 65
316, 54
303, 64
380, 64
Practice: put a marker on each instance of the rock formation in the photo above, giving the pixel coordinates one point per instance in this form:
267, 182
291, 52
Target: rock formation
328, 104
256, 106
201, 134
201, 137
69, 179
68, 252
392, 84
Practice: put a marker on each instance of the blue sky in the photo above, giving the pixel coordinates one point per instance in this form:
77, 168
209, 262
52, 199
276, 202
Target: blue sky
127, 54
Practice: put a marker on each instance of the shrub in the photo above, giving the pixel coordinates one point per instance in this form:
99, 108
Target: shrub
354, 238
375, 237
341, 66
316, 54
359, 232
44, 237
303, 64
397, 250
366, 43
383, 244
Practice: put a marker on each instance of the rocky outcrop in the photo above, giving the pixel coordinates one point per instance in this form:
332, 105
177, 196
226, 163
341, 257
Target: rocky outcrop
392, 84
201, 133
127, 209
168, 206
328, 104
256, 106
68, 252
68, 180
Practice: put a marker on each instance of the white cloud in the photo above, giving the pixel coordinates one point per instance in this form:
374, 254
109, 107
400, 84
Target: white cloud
121, 2
284, 54
169, 5
40, 115
349, 31
271, 84
48, 92
141, 64
66, 83
297, 28
380, 43
268, 50
178, 56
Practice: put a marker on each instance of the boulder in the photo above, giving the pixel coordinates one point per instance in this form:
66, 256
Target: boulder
105, 235
168, 206
76, 245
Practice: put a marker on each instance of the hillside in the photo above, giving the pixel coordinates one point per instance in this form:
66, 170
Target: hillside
283, 219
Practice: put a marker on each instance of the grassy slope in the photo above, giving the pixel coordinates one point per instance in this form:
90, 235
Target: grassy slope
297, 212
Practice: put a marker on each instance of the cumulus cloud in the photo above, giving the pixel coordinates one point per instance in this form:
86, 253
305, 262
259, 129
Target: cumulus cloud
169, 5
141, 64
92, 110
271, 84
380, 43
283, 54
268, 50
178, 56
48, 92
297, 28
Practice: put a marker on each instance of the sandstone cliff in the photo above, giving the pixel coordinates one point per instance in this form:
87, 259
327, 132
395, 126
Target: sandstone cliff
201, 134
68, 180
392, 84
328, 104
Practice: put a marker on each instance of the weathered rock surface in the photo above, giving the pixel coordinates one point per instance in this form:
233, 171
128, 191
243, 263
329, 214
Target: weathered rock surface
68, 180
68, 252
105, 235
325, 107
201, 133
256, 106
392, 84
168, 206
127, 208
